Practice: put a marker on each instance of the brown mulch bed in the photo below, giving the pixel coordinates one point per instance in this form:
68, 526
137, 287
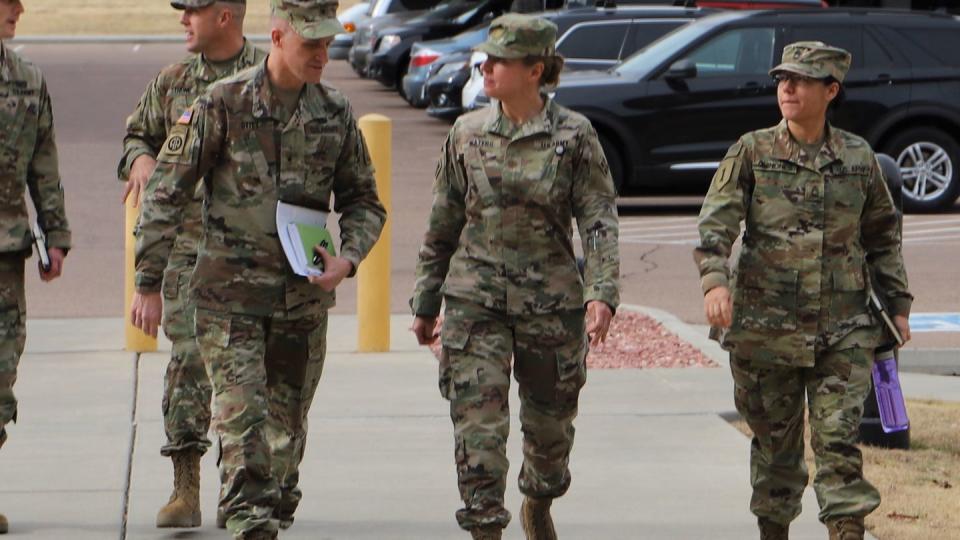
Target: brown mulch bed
638, 341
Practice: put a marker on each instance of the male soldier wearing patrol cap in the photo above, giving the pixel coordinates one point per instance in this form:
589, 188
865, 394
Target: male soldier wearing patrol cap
214, 31
28, 161
819, 222
271, 133
499, 252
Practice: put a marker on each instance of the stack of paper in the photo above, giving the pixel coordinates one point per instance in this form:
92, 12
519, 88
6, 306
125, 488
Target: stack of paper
301, 230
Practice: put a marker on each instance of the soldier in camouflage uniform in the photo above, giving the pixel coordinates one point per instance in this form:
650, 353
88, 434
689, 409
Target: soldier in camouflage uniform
28, 162
271, 133
819, 221
499, 252
215, 39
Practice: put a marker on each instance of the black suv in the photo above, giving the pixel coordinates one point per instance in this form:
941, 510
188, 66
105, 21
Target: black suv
667, 114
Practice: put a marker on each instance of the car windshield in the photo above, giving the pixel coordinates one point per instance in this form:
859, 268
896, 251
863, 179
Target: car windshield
648, 58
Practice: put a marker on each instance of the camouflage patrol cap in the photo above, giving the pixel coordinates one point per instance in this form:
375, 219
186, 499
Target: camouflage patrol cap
312, 19
184, 4
517, 36
814, 59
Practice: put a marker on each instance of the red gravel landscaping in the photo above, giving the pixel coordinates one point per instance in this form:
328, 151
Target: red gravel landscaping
638, 341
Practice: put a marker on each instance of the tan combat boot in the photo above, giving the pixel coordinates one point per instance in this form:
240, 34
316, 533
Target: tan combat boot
771, 530
846, 528
489, 532
535, 519
4, 526
183, 509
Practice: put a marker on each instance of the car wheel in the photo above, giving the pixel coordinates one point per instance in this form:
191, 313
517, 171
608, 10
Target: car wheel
614, 161
929, 161
400, 76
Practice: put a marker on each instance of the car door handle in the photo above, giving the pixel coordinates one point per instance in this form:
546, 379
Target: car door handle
885, 78
750, 88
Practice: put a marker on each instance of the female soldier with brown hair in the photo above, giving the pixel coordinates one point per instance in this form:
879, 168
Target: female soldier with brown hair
499, 252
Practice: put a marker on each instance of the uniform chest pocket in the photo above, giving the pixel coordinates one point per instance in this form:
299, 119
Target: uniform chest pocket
252, 170
322, 147
552, 170
766, 300
779, 181
846, 193
19, 128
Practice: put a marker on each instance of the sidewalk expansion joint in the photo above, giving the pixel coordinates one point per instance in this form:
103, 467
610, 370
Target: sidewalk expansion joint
125, 497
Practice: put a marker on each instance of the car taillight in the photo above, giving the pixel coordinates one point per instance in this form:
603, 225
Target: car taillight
350, 27
423, 59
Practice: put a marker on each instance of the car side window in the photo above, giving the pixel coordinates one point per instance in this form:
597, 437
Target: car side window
594, 41
848, 38
940, 43
741, 51
874, 55
645, 33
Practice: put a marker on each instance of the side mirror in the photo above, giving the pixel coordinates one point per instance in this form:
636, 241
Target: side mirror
681, 69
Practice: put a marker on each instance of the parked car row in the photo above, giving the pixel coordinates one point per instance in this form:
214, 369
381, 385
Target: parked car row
670, 88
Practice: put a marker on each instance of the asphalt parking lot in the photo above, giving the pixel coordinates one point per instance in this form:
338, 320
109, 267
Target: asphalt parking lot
95, 86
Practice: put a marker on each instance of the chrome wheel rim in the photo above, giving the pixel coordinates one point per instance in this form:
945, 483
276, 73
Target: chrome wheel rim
926, 170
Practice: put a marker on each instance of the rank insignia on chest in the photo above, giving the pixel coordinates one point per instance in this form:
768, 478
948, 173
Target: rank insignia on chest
186, 117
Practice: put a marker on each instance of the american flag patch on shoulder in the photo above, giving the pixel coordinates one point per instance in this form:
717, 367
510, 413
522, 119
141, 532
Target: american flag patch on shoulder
185, 117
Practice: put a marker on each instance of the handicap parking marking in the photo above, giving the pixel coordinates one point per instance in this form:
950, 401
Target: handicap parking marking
935, 322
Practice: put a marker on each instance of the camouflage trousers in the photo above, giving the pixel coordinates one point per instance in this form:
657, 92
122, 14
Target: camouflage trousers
264, 372
549, 363
13, 333
186, 387
771, 400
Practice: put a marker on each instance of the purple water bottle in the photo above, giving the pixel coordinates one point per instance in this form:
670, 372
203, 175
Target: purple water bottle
892, 408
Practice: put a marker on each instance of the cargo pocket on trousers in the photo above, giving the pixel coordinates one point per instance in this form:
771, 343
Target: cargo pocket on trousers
571, 368
213, 329
454, 337
171, 283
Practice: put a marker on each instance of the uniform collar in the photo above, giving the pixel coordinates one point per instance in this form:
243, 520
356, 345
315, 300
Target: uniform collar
498, 124
203, 69
310, 105
6, 63
786, 148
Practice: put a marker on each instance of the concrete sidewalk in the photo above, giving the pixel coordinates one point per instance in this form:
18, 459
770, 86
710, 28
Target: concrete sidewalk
653, 459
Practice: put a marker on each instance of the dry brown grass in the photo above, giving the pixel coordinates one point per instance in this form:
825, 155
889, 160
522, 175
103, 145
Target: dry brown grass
920, 487
90, 17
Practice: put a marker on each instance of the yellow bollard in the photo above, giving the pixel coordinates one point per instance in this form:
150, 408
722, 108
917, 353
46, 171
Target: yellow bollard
136, 340
373, 276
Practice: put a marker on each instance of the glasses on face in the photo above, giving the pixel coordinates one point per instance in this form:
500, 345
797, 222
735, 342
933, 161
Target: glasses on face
784, 78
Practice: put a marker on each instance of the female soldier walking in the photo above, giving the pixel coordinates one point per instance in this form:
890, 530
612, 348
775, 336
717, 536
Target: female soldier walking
499, 251
819, 220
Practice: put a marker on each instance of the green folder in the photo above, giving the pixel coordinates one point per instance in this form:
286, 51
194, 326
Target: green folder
306, 237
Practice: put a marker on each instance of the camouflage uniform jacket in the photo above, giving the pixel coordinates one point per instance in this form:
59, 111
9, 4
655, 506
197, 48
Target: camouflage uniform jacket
500, 231
815, 228
172, 92
248, 160
29, 158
